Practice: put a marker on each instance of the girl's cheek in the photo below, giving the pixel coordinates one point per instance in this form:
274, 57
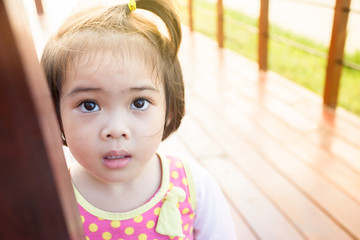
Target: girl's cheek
153, 130
152, 127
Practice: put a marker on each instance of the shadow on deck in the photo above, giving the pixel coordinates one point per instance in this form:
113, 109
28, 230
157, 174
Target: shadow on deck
289, 168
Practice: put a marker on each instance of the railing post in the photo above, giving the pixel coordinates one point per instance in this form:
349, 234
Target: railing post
220, 23
37, 199
39, 7
263, 34
336, 53
190, 8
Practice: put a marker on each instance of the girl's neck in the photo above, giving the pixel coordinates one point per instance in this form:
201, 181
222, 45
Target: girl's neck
121, 196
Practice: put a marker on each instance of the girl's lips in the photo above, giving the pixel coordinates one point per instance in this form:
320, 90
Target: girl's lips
116, 159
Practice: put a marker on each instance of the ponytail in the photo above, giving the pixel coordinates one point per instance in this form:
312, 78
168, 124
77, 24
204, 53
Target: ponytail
166, 11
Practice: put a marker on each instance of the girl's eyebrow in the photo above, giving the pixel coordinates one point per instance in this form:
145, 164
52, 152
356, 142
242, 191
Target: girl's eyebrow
144, 88
90, 89
83, 89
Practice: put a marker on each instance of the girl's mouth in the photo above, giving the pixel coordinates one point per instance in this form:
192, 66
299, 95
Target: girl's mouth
116, 159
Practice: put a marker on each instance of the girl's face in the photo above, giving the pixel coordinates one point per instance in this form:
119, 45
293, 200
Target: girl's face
113, 116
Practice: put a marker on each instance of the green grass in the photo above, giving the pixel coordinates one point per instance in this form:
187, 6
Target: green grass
301, 67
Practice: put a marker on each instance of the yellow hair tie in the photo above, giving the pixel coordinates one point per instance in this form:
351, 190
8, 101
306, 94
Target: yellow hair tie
132, 5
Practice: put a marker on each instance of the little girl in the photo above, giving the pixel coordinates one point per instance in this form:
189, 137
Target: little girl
118, 90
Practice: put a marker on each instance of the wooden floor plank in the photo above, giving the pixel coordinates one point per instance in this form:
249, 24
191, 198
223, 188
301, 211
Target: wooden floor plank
255, 207
344, 136
310, 118
175, 145
348, 153
343, 123
305, 149
319, 159
239, 153
315, 175
243, 230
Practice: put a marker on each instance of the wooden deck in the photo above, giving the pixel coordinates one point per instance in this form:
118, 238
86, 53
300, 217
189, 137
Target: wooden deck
289, 168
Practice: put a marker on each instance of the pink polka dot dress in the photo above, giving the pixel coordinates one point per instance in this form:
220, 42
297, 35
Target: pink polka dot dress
169, 214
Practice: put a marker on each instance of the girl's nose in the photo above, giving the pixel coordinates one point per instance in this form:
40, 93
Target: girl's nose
116, 127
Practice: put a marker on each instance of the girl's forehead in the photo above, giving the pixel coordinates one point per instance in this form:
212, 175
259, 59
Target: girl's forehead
113, 64
93, 60
128, 52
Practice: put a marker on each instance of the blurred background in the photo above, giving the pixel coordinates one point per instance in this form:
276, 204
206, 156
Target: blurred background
299, 39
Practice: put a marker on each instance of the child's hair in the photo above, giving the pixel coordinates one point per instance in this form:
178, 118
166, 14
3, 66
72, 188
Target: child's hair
127, 34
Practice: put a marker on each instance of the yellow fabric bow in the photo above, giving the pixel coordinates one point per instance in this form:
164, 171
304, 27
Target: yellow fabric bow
169, 222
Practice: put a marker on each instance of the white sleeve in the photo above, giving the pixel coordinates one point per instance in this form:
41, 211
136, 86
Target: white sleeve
213, 218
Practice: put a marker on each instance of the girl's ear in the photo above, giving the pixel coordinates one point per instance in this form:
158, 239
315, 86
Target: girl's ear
167, 127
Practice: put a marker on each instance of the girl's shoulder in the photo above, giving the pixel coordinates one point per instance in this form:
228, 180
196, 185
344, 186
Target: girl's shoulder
213, 219
180, 173
201, 183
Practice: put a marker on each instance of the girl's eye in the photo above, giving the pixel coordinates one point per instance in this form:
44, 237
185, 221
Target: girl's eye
140, 104
89, 106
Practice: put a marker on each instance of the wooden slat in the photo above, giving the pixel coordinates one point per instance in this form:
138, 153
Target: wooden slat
37, 200
191, 15
336, 52
238, 120
276, 89
175, 145
263, 34
303, 101
336, 49
220, 23
256, 208
243, 231
286, 163
39, 7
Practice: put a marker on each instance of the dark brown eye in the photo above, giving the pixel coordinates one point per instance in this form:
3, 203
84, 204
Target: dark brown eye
140, 104
89, 106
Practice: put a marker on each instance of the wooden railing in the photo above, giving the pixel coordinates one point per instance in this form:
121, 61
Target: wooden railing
39, 7
334, 56
336, 52
37, 199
